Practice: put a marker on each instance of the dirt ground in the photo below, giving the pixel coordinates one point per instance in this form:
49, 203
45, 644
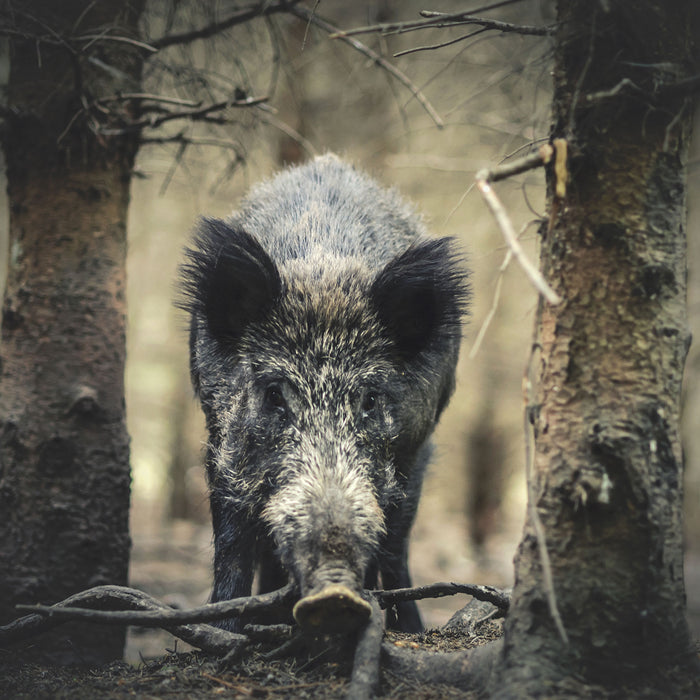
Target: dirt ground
192, 675
173, 564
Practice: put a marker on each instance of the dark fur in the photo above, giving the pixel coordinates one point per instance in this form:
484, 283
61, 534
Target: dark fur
325, 328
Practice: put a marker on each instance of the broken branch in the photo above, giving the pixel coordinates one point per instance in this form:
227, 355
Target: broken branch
497, 597
484, 178
160, 616
334, 32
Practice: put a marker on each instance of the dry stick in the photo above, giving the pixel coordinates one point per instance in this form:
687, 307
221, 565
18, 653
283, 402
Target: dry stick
496, 297
239, 17
365, 668
484, 178
154, 613
168, 616
494, 305
532, 505
441, 45
440, 20
205, 637
311, 17
489, 594
147, 97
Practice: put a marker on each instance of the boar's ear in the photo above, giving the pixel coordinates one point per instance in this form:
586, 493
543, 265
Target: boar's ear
421, 295
228, 279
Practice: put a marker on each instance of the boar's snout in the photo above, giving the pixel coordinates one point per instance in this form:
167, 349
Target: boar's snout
333, 609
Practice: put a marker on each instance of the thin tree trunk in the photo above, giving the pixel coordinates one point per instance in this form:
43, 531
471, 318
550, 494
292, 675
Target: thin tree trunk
64, 449
608, 363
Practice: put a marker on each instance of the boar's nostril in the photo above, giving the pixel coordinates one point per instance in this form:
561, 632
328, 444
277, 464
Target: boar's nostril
334, 609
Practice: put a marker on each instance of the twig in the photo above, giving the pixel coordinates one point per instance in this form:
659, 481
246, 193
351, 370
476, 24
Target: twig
364, 680
440, 20
147, 97
615, 90
267, 118
92, 38
540, 157
267, 633
167, 616
496, 296
532, 498
260, 9
489, 594
192, 141
313, 18
494, 305
441, 45
484, 178
205, 637
197, 114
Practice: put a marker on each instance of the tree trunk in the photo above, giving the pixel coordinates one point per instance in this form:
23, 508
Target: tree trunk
608, 362
64, 455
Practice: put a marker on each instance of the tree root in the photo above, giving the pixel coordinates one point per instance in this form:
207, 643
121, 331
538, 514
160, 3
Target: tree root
469, 669
364, 680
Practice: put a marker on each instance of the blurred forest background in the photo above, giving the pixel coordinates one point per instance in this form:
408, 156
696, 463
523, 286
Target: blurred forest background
492, 91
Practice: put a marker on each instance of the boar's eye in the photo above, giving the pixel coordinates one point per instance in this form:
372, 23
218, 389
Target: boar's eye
370, 401
274, 399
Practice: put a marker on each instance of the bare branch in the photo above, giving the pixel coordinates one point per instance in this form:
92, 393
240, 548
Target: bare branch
497, 597
441, 45
147, 97
496, 296
260, 9
333, 31
193, 141
205, 637
624, 85
166, 616
441, 20
267, 118
203, 113
484, 178
493, 24
92, 38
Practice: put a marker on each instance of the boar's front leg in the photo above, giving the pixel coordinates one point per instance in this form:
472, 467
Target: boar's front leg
402, 616
393, 565
234, 558
272, 575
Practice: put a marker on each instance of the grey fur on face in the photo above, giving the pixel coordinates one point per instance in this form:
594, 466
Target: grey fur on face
325, 327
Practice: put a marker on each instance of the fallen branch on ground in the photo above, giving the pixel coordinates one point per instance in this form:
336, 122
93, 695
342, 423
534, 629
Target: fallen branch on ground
489, 594
138, 608
134, 607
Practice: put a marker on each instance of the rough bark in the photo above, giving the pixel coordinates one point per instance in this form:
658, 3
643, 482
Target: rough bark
609, 360
64, 457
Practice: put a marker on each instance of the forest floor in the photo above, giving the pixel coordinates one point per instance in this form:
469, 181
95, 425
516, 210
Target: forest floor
313, 675
174, 566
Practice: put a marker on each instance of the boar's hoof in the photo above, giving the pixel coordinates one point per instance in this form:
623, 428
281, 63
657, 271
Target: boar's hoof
332, 610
